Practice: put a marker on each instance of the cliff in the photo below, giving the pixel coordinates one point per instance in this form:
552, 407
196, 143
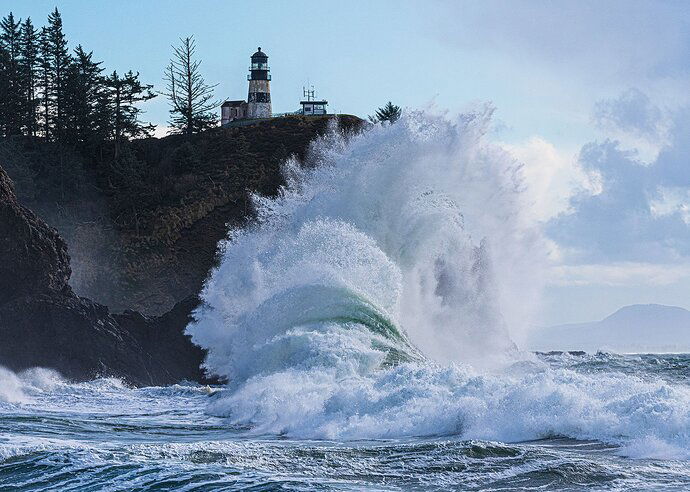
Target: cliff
143, 228
33, 257
43, 323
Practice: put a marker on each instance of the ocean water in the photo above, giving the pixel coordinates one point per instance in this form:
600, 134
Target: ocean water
565, 422
365, 327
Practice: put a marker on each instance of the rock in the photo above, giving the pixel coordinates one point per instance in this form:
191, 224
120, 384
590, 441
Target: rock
82, 340
176, 357
43, 323
33, 257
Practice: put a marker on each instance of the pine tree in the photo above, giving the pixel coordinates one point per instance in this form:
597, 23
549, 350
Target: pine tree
45, 84
83, 86
12, 104
59, 60
102, 114
124, 95
4, 89
192, 107
389, 113
29, 71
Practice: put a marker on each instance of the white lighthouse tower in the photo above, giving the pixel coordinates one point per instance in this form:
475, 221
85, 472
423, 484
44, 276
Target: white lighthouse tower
259, 100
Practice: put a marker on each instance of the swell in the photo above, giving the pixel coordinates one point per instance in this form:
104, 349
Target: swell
372, 233
374, 297
322, 305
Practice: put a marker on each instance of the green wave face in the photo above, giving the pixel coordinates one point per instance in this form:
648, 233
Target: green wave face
322, 305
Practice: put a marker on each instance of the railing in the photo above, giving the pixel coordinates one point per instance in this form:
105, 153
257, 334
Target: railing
268, 77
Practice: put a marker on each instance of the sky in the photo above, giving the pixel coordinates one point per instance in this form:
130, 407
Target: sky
592, 96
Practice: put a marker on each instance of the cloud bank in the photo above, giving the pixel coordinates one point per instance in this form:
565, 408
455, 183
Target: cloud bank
643, 210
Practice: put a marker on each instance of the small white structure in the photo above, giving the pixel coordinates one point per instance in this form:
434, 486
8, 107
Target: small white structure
231, 111
312, 106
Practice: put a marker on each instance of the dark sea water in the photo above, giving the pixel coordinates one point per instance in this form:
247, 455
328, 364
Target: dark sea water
363, 325
103, 435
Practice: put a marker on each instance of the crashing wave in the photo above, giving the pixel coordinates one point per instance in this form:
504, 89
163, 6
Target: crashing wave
372, 298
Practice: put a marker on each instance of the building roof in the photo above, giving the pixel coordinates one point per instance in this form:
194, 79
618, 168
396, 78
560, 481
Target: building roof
259, 54
322, 101
234, 103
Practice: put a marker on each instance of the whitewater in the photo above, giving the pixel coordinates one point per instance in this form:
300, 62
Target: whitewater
364, 328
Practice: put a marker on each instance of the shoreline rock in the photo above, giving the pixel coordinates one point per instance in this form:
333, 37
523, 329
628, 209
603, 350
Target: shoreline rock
44, 324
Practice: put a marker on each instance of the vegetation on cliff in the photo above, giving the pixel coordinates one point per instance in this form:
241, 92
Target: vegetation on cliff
143, 224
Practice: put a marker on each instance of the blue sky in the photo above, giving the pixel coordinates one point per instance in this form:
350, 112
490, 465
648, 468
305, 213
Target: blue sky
592, 96
358, 54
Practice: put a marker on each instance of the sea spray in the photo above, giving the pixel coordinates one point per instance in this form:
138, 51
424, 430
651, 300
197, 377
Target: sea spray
382, 218
10, 387
373, 299
368, 259
14, 386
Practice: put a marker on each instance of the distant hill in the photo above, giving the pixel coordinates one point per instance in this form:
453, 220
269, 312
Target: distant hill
636, 328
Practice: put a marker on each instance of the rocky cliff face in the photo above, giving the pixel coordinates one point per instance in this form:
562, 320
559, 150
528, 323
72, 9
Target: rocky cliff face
43, 323
33, 257
143, 228
195, 190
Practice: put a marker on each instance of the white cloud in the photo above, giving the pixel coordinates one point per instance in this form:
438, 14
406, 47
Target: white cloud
672, 201
643, 211
600, 42
161, 131
552, 177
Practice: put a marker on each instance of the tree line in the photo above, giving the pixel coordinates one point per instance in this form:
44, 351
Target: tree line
67, 97
63, 96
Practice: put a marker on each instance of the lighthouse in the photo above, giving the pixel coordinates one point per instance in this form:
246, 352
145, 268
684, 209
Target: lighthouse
259, 100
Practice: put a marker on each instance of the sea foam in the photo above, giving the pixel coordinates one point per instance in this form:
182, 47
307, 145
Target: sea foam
374, 298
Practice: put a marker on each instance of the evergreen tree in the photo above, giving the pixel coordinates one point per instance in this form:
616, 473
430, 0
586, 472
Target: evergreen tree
12, 95
4, 89
29, 71
102, 114
390, 113
83, 86
46, 91
45, 82
124, 95
192, 107
59, 61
